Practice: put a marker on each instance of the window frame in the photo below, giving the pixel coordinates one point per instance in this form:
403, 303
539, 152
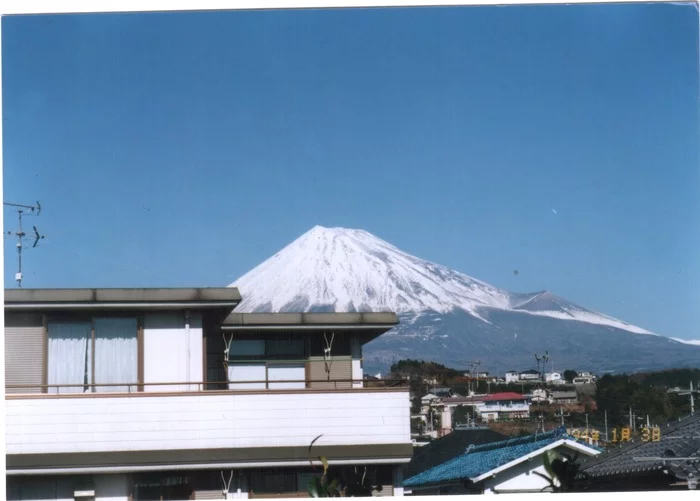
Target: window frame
65, 317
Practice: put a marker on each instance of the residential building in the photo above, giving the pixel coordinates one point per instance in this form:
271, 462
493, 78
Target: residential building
563, 397
500, 406
669, 461
135, 394
584, 380
554, 378
448, 447
512, 377
530, 375
540, 395
508, 466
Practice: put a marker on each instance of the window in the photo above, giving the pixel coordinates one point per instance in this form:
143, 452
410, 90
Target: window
254, 362
95, 351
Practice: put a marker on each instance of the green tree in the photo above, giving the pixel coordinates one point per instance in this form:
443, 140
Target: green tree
569, 375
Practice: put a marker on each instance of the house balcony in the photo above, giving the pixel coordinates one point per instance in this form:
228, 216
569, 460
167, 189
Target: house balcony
150, 424
504, 408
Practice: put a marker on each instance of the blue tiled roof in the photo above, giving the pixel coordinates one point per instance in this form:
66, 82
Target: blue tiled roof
484, 458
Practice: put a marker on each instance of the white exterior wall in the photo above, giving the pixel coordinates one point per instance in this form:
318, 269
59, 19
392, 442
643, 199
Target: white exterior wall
172, 352
522, 476
512, 377
356, 352
133, 423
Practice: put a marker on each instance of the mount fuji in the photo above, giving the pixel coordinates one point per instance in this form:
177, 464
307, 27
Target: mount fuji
447, 316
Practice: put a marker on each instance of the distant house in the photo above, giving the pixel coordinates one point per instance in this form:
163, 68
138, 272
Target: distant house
669, 463
501, 406
540, 395
554, 378
584, 380
508, 466
442, 392
512, 376
428, 398
530, 375
563, 397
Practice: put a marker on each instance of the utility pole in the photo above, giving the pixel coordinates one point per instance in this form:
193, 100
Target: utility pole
33, 210
692, 400
631, 421
691, 392
606, 426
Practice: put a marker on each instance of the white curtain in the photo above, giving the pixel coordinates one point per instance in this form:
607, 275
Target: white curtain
70, 356
294, 376
240, 373
116, 351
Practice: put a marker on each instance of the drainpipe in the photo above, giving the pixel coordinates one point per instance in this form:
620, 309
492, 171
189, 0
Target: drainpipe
187, 331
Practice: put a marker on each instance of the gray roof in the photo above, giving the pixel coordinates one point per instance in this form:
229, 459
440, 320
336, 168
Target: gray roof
564, 394
680, 440
238, 321
369, 325
28, 299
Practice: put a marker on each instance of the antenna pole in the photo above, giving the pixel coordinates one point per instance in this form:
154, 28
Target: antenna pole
33, 210
606, 426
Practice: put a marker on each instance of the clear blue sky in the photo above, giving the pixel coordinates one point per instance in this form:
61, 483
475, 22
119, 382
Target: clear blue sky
184, 149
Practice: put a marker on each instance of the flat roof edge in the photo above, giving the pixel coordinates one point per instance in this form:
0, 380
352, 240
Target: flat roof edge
225, 296
235, 320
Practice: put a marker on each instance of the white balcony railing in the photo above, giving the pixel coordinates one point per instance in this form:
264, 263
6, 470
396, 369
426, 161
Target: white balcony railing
95, 422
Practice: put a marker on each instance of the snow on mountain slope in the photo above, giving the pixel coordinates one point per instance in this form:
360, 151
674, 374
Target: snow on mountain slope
547, 304
338, 269
695, 342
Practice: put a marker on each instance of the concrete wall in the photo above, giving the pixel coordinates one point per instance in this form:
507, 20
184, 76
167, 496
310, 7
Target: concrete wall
130, 423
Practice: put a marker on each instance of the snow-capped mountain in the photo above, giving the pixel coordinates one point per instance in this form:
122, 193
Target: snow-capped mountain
339, 269
444, 313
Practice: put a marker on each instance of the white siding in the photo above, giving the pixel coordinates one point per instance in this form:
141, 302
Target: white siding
89, 424
171, 353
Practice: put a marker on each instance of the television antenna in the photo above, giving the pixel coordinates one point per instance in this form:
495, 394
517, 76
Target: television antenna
543, 359
474, 364
22, 210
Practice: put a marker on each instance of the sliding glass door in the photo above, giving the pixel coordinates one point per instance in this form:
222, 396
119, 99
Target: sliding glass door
70, 356
116, 354
102, 350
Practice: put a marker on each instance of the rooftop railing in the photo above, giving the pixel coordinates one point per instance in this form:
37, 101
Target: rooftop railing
276, 385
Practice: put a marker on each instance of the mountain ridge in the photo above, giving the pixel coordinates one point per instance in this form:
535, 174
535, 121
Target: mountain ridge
447, 316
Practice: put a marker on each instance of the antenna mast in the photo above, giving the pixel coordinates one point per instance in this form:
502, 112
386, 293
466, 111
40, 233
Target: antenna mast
32, 210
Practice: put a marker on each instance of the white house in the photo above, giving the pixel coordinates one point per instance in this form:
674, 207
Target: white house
512, 376
505, 467
554, 378
135, 394
506, 405
530, 375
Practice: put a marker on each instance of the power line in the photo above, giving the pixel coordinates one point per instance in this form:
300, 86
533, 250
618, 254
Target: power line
22, 210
